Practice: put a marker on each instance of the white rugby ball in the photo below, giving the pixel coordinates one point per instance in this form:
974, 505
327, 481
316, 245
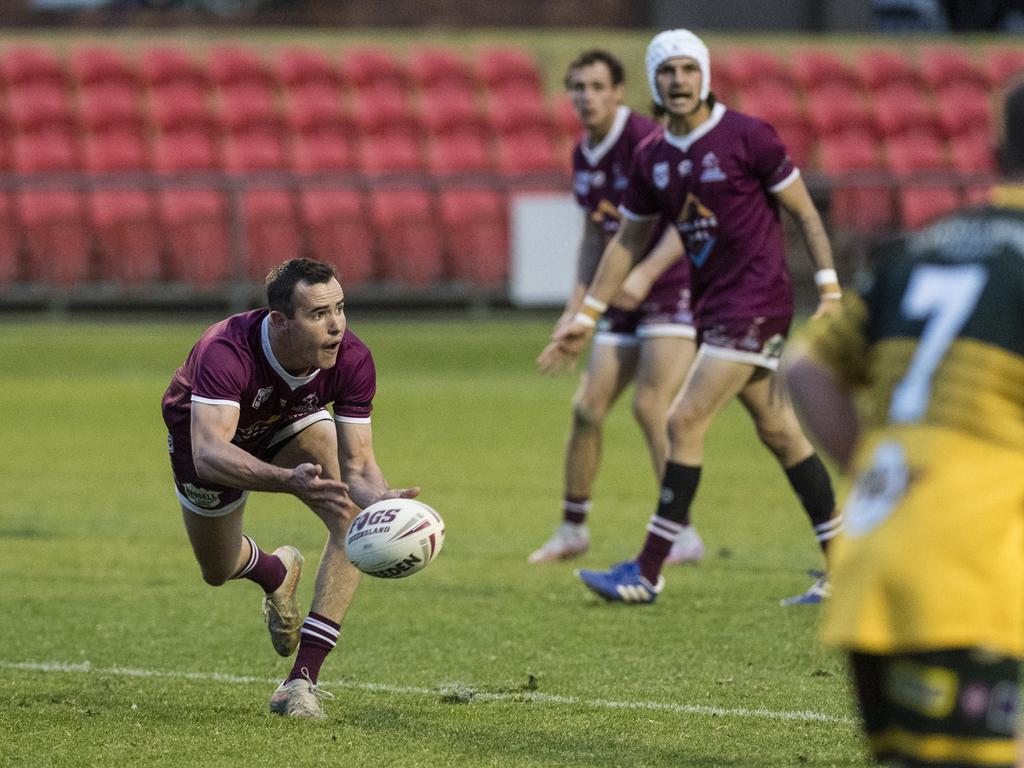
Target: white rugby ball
394, 538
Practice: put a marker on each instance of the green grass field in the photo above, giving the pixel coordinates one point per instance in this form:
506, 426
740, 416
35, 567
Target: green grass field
115, 653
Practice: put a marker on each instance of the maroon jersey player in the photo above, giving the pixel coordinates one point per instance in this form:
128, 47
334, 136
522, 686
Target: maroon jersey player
247, 411
721, 177
648, 335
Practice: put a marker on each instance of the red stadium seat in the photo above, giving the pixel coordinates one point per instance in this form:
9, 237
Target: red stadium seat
500, 66
300, 68
323, 150
749, 67
973, 152
248, 108
942, 66
1003, 64
920, 201
920, 152
457, 153
921, 205
180, 106
94, 66
167, 66
476, 223
109, 105
721, 79
447, 110
10, 266
900, 109
835, 109
128, 235
338, 230
885, 68
314, 108
390, 154
963, 109
525, 112
783, 111
566, 119
234, 66
115, 150
40, 107
854, 205
411, 242
529, 152
384, 111
31, 65
441, 67
371, 67
814, 68
194, 216
51, 150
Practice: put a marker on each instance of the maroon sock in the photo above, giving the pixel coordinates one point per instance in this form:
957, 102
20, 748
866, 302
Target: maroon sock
660, 535
575, 509
265, 569
318, 636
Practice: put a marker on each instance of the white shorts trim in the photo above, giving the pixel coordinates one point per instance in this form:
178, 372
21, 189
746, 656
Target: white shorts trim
679, 330
211, 401
220, 512
739, 356
297, 426
353, 419
609, 339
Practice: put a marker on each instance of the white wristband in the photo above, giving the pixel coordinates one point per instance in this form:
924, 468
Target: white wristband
584, 319
826, 277
596, 304
833, 295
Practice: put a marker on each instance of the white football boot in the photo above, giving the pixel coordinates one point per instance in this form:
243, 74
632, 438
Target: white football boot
569, 540
300, 697
687, 548
281, 608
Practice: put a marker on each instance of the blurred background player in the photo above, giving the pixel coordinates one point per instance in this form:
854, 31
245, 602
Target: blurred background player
648, 335
720, 176
929, 573
247, 412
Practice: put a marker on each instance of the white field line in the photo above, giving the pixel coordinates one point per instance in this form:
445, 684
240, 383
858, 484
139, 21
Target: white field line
459, 691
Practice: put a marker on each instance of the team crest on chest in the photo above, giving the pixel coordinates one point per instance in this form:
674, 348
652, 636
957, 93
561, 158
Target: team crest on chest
685, 167
660, 175
712, 170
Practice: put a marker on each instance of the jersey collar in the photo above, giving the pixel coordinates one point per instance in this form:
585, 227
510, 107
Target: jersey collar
685, 142
292, 381
593, 155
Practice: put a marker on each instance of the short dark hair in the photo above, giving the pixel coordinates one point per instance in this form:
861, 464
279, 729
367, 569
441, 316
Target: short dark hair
282, 279
1011, 130
597, 56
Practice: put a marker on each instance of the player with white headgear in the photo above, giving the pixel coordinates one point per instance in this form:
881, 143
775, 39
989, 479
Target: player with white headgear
721, 176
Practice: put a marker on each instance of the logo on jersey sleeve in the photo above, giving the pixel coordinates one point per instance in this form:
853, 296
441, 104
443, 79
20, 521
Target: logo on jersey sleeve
660, 175
712, 170
261, 397
697, 225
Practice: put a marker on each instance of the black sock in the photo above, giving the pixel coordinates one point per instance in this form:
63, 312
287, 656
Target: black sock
813, 486
678, 487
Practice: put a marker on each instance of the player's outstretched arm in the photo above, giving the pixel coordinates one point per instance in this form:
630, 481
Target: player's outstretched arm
588, 256
797, 200
359, 467
219, 460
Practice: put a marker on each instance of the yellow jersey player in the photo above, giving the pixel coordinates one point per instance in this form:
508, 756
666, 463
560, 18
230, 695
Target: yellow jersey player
928, 577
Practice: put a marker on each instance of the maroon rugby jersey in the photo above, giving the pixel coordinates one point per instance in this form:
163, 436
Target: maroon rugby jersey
715, 184
232, 364
600, 177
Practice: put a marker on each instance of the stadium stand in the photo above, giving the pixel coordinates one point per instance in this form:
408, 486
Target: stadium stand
410, 241
879, 68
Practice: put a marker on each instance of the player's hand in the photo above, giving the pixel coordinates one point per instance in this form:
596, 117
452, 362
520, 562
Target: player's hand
553, 359
827, 307
632, 292
326, 497
565, 347
401, 493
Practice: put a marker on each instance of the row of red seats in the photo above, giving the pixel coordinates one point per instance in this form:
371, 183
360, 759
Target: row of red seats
935, 67
411, 236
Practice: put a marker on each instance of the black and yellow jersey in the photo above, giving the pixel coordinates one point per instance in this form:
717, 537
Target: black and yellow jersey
933, 552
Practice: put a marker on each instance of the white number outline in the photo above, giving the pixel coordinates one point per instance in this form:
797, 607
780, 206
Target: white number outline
945, 297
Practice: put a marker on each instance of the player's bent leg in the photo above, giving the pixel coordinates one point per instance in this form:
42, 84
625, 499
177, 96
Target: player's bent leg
775, 420
217, 543
611, 367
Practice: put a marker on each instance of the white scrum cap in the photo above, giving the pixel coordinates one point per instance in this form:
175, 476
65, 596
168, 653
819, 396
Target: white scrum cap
677, 42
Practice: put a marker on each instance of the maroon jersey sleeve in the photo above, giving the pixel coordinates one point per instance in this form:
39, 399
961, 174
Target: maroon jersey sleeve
221, 373
356, 401
767, 156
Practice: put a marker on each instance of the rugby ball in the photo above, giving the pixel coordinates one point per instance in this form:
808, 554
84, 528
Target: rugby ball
394, 538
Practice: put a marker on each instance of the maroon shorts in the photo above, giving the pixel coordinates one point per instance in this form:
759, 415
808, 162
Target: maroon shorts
755, 341
664, 312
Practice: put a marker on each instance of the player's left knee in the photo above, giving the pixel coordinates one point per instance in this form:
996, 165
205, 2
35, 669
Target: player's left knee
649, 409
